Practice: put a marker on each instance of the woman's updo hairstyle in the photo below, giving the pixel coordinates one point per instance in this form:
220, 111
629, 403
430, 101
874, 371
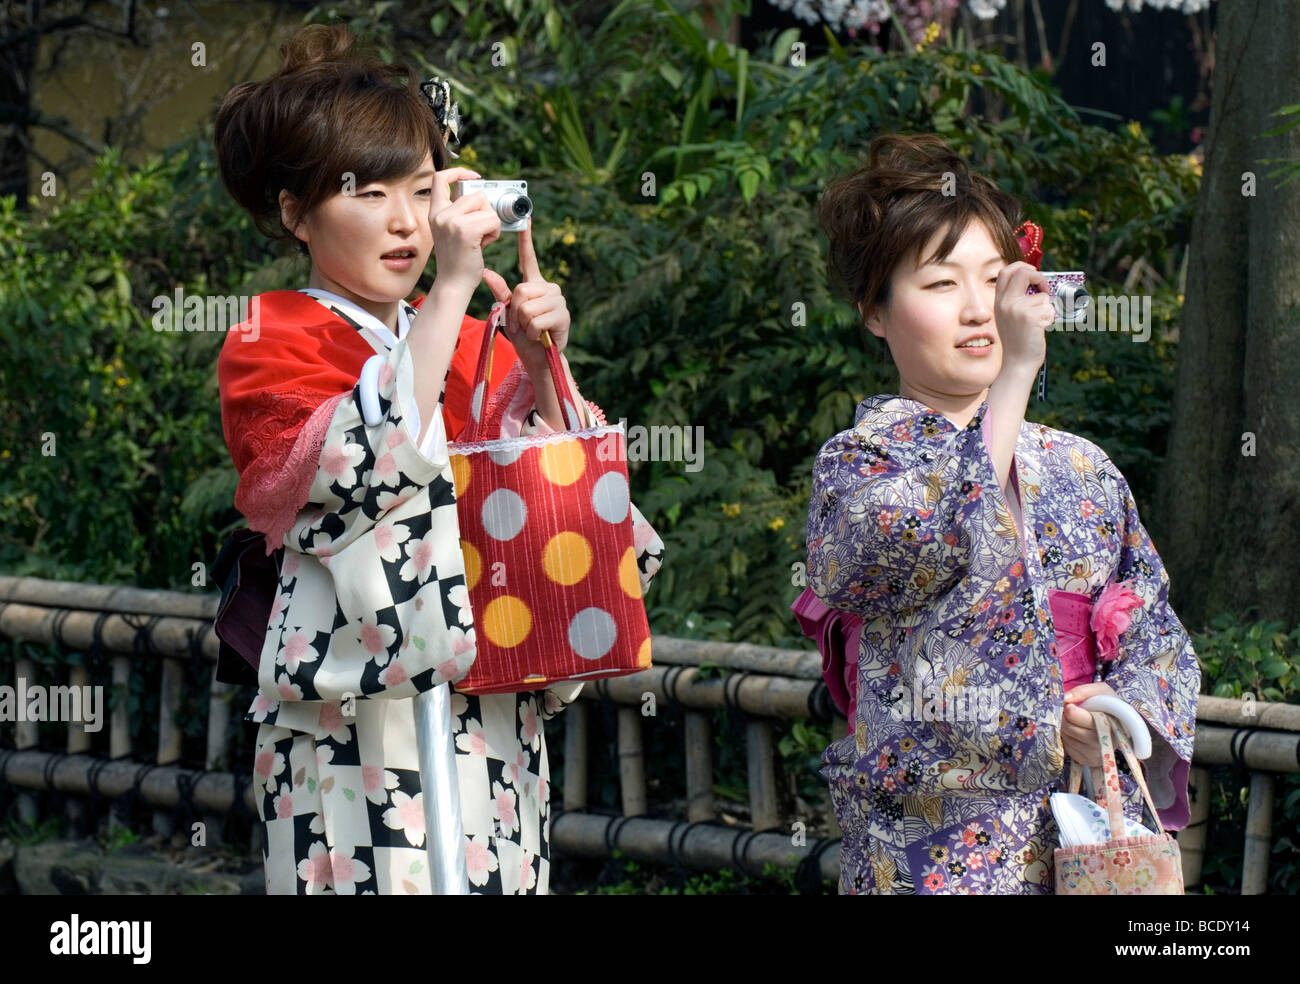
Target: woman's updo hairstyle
884, 213
329, 112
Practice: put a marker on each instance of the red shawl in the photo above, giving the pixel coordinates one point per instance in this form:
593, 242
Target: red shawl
279, 393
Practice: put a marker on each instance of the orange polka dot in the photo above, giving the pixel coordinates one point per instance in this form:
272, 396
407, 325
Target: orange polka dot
507, 621
460, 473
563, 463
473, 564
643, 654
566, 558
629, 579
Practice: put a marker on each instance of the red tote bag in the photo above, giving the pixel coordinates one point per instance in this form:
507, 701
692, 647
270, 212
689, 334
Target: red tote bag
546, 530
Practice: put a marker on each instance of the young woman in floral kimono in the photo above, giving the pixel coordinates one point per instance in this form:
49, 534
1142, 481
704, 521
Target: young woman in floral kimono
337, 402
990, 572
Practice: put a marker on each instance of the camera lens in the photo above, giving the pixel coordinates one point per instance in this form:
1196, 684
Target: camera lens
1071, 302
512, 206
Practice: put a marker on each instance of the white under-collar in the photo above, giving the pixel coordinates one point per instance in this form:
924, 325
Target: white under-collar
363, 317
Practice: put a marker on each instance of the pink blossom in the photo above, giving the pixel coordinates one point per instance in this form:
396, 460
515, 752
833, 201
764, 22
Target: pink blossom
370, 638
394, 675
319, 871
505, 805
294, 648
1110, 616
335, 460
263, 764
330, 718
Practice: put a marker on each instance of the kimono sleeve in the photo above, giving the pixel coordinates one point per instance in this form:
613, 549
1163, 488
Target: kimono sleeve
887, 530
1156, 670
373, 575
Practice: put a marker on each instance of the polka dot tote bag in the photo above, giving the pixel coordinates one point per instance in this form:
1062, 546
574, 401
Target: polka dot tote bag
546, 530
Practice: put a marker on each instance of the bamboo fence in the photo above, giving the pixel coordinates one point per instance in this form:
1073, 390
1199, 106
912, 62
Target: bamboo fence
762, 685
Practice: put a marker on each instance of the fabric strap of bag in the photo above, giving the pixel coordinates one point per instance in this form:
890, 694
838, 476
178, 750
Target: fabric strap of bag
1110, 773
478, 401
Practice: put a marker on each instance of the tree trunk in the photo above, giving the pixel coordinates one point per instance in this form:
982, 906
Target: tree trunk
17, 66
1227, 519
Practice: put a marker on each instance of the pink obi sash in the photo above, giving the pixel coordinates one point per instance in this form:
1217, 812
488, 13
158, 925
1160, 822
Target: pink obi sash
1075, 647
1086, 631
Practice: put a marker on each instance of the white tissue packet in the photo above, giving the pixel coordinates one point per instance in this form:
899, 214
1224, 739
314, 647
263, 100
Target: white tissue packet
1081, 821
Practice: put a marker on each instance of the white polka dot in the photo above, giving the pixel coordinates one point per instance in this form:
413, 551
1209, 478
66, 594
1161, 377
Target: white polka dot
476, 405
609, 498
508, 456
592, 633
504, 514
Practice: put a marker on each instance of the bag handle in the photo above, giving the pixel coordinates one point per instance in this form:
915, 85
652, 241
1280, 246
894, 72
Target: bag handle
1110, 774
479, 395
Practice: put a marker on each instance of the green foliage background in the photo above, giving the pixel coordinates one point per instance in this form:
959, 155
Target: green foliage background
675, 179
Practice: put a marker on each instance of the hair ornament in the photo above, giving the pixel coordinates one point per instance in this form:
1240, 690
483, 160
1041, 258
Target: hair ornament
438, 93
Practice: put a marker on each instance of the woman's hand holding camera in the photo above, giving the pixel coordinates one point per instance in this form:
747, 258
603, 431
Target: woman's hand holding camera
1021, 317
460, 231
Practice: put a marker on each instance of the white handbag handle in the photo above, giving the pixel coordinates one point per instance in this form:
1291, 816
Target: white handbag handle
1138, 733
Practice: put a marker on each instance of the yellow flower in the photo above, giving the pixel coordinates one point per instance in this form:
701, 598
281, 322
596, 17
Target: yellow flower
731, 509
932, 32
569, 239
1194, 163
976, 69
1135, 128
776, 524
5, 453
121, 381
468, 156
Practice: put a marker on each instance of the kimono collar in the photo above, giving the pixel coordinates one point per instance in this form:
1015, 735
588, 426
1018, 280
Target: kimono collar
901, 406
361, 318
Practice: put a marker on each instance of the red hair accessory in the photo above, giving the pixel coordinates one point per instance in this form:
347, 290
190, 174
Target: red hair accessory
1031, 243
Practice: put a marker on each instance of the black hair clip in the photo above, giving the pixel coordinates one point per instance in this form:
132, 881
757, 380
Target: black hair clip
438, 94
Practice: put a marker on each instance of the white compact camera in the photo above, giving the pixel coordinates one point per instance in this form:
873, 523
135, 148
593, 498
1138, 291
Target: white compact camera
509, 199
1070, 296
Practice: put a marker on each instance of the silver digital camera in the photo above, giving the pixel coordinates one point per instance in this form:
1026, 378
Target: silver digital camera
1070, 295
509, 199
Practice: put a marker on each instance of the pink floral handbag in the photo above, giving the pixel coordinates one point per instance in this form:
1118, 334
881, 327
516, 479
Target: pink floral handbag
1146, 865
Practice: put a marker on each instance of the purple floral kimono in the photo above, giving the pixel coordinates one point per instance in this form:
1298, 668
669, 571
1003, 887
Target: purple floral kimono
942, 786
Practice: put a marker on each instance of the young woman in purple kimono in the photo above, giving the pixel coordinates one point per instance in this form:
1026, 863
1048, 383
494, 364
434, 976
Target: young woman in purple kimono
990, 573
